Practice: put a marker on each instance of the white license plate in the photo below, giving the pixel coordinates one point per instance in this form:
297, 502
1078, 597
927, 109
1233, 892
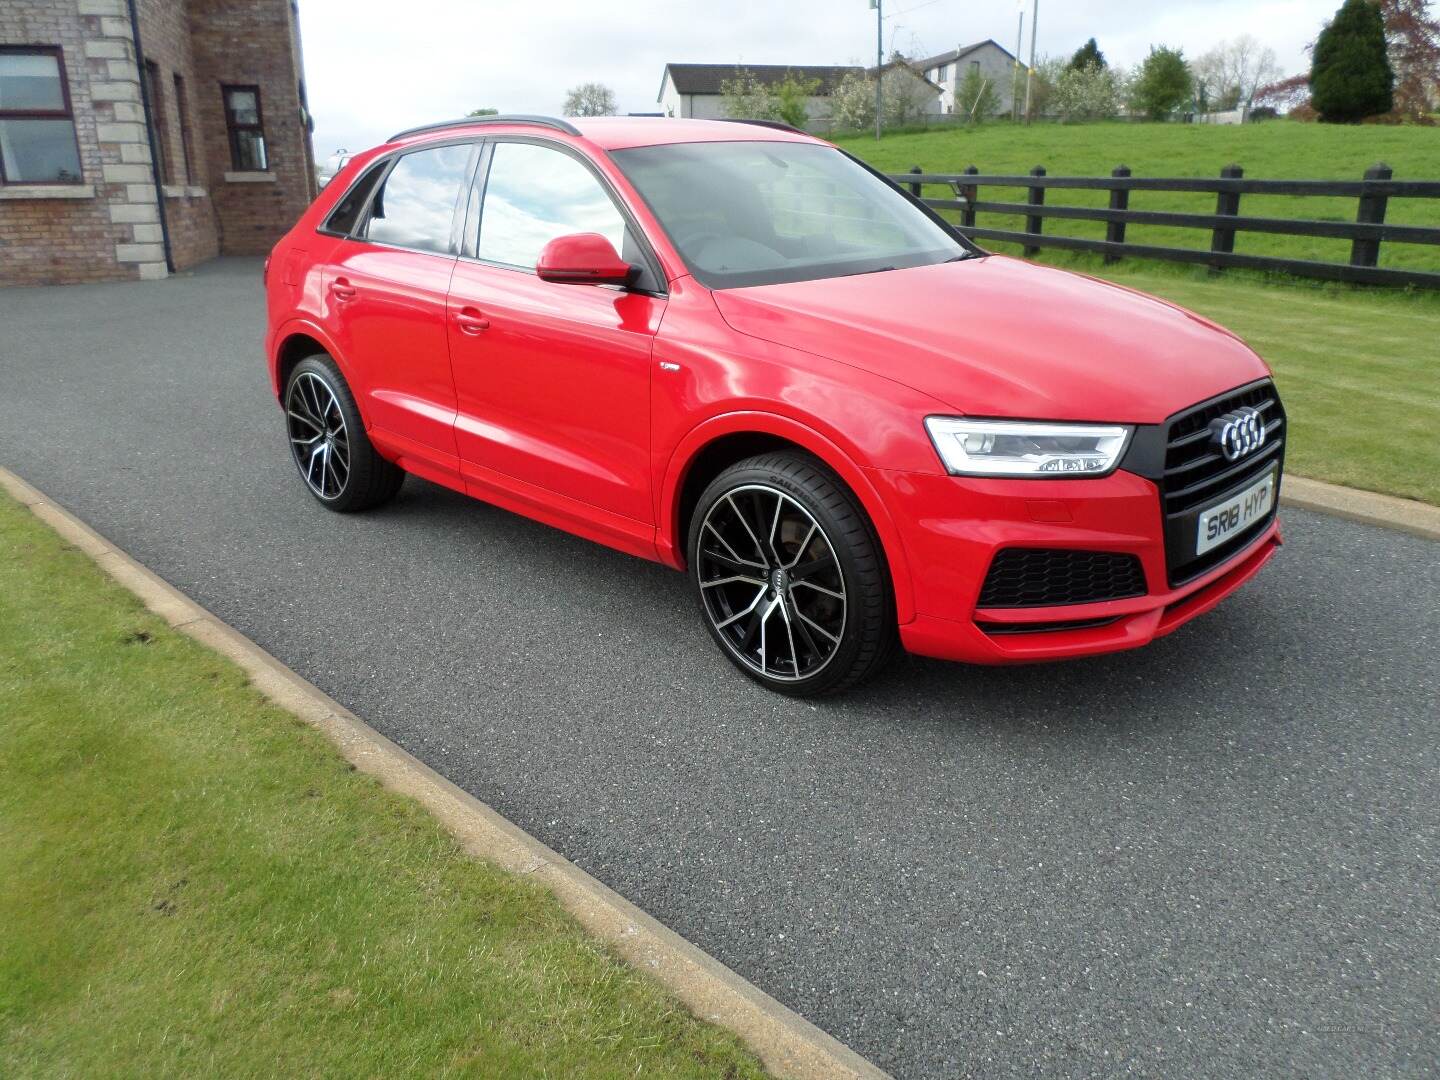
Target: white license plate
1224, 520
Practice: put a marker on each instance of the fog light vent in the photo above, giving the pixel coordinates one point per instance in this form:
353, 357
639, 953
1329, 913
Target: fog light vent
1045, 577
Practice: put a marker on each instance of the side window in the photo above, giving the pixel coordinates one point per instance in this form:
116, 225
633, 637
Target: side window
415, 206
347, 211
246, 128
534, 194
37, 128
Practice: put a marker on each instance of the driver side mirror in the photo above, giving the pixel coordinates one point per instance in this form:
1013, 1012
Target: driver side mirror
583, 259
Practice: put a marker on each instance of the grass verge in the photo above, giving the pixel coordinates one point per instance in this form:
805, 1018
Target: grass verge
192, 882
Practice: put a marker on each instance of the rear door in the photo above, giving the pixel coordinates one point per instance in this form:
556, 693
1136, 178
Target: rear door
385, 291
553, 381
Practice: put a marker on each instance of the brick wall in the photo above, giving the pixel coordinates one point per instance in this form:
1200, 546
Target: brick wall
254, 43
109, 227
73, 233
189, 210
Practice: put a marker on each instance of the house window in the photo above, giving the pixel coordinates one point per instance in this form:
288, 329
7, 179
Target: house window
37, 128
182, 113
245, 124
941, 72
160, 130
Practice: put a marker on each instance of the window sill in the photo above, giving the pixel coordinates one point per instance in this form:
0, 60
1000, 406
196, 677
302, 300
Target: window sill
182, 191
250, 178
47, 191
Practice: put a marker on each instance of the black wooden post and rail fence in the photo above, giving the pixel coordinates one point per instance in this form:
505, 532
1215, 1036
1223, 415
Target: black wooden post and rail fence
1366, 233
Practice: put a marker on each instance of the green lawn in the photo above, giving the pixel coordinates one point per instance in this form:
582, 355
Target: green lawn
1280, 150
193, 883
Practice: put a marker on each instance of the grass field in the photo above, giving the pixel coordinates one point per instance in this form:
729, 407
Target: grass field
193, 883
1279, 150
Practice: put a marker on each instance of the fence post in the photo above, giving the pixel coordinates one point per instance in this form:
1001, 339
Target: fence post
968, 192
1371, 212
1228, 204
915, 188
1034, 222
1119, 200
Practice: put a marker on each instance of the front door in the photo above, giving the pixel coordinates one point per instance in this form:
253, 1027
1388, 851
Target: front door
552, 381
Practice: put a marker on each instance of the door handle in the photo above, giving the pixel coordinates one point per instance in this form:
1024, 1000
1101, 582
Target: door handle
342, 289
471, 321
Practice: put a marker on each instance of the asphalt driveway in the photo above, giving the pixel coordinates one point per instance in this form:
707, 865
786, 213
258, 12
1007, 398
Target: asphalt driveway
1217, 856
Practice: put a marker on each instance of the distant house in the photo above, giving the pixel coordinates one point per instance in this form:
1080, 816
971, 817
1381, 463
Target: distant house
695, 90
949, 69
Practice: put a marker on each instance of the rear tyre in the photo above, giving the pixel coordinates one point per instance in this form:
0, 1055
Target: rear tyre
328, 443
790, 577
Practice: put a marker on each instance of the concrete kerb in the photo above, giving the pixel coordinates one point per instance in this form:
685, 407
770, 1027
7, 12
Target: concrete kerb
1386, 511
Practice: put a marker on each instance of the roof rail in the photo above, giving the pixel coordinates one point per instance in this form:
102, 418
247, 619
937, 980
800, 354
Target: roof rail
514, 118
776, 124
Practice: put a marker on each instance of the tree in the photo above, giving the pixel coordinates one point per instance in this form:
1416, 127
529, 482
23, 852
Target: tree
1232, 73
791, 99
852, 102
1049, 70
745, 97
1163, 83
976, 98
1351, 77
1286, 95
906, 95
484, 112
1091, 93
590, 99
1088, 55
1412, 37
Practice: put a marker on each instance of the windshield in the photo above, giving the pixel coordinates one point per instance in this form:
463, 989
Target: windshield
760, 213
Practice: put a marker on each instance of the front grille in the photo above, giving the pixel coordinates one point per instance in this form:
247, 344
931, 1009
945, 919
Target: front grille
1044, 577
1197, 475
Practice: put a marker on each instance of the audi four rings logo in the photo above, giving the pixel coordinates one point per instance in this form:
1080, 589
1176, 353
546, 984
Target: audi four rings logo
1239, 433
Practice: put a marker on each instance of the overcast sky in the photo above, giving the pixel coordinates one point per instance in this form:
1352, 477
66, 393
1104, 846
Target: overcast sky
426, 60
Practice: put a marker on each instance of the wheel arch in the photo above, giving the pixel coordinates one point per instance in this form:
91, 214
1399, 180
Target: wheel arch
294, 341
721, 441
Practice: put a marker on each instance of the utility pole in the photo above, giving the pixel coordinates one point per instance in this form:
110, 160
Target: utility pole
1015, 75
1030, 74
880, 59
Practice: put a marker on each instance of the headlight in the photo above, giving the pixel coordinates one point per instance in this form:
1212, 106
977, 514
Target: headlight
1010, 448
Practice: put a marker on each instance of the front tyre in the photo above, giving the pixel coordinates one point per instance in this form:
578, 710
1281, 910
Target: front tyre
328, 441
790, 577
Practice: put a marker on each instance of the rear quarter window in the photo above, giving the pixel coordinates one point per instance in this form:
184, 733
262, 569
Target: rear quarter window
347, 211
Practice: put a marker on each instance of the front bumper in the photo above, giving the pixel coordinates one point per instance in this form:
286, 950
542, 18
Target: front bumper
952, 527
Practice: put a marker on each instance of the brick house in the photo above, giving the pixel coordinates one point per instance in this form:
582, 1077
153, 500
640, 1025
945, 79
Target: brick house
139, 137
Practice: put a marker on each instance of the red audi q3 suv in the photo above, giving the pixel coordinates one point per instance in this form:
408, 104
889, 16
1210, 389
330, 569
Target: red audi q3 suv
737, 350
